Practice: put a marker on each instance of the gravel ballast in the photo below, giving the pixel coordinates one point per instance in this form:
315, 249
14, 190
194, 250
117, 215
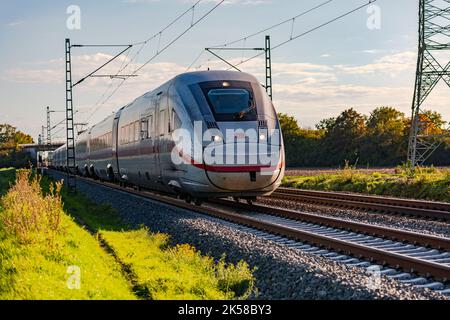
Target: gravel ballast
282, 272
415, 224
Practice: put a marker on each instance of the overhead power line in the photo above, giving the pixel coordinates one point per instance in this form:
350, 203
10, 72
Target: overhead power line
275, 25
158, 51
292, 38
225, 46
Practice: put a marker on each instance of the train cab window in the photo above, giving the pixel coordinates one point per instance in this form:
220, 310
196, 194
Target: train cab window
230, 100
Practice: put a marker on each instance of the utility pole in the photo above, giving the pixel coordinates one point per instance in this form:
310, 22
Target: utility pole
70, 133
268, 61
268, 68
70, 125
42, 135
49, 129
434, 32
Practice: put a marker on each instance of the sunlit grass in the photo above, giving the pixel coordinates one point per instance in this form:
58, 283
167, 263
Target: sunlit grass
423, 183
163, 272
40, 240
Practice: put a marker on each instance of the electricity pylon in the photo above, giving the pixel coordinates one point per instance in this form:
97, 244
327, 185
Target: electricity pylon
434, 42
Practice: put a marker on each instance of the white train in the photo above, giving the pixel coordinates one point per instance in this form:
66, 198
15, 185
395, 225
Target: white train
192, 136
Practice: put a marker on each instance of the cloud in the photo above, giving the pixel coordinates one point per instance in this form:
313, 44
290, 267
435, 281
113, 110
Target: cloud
15, 23
393, 64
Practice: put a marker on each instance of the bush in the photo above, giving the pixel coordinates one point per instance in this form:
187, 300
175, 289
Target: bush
28, 214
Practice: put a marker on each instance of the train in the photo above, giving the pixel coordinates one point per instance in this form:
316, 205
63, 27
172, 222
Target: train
203, 134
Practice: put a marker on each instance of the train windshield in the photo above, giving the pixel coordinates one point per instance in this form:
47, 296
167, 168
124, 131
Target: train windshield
230, 101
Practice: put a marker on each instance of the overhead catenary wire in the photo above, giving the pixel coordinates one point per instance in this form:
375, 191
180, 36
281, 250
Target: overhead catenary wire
159, 51
292, 38
275, 25
245, 38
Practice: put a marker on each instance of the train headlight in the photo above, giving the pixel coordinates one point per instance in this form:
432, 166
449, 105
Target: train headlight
262, 137
217, 139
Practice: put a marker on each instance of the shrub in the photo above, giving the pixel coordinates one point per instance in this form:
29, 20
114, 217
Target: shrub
30, 215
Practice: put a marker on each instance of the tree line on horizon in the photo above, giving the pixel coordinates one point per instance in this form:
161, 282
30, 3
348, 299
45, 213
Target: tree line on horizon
380, 139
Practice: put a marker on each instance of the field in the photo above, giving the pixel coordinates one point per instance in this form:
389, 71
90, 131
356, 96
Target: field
423, 183
56, 245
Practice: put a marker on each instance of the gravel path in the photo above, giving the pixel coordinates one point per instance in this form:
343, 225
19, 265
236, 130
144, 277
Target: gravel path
282, 272
438, 228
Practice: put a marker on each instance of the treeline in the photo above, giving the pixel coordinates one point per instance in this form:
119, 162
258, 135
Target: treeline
380, 139
11, 155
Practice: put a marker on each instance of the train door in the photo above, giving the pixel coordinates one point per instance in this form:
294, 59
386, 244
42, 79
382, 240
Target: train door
161, 111
115, 145
147, 149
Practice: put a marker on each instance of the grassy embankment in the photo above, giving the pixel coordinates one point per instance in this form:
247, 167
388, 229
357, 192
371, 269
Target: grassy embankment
40, 243
422, 183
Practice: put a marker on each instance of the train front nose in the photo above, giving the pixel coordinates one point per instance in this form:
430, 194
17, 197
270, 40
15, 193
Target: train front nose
244, 166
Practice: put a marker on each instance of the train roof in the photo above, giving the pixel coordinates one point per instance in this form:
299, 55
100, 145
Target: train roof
212, 75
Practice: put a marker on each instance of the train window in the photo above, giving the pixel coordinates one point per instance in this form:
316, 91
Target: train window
137, 131
130, 133
175, 121
144, 128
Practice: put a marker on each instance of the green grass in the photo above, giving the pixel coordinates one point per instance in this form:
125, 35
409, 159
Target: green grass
40, 240
39, 245
163, 272
423, 183
38, 272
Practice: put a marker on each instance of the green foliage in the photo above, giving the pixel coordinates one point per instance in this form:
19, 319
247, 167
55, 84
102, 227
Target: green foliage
10, 153
378, 140
422, 183
177, 273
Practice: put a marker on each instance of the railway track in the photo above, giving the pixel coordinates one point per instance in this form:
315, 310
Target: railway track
418, 208
425, 255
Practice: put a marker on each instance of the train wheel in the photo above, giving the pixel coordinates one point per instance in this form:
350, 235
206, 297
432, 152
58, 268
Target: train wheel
198, 202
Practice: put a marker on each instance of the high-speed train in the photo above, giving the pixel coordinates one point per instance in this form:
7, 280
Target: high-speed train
207, 134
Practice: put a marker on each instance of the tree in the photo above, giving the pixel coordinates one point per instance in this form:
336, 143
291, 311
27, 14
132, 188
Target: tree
343, 136
289, 125
386, 138
10, 153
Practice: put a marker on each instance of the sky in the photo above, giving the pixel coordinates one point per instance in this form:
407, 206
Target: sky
364, 60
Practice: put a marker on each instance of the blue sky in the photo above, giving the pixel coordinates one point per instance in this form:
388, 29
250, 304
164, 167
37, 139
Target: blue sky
342, 65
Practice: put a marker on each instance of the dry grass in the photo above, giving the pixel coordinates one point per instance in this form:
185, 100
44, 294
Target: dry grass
28, 214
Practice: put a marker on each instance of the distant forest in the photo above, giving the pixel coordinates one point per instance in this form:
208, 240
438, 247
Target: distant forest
380, 139
10, 153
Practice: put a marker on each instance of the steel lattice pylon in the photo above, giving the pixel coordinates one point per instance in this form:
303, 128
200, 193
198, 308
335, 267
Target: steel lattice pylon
434, 38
